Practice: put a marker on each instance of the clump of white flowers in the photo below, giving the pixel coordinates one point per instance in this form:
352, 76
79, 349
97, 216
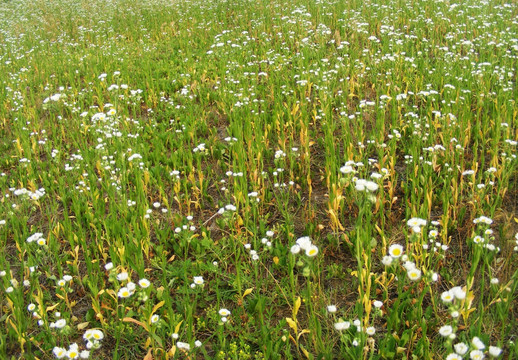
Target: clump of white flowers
227, 208
416, 224
304, 243
197, 281
365, 185
483, 220
224, 313
27, 194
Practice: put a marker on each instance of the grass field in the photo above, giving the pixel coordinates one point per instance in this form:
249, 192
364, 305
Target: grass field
233, 179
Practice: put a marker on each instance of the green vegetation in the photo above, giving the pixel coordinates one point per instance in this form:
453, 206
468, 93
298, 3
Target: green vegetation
258, 179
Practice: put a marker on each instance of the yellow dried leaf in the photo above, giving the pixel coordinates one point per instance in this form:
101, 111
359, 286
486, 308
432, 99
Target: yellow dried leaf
82, 325
306, 353
295, 109
292, 324
158, 306
248, 292
148, 355
51, 308
177, 328
305, 331
172, 351
128, 319
296, 307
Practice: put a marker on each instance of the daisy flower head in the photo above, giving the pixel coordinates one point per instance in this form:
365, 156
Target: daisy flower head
124, 292
144, 283
478, 239
347, 169
312, 251
122, 276
446, 330
73, 351
342, 325
495, 351
295, 249
476, 355
447, 296
224, 312
414, 274
387, 260
304, 242
395, 250
59, 352
331, 308
60, 324
461, 348
97, 334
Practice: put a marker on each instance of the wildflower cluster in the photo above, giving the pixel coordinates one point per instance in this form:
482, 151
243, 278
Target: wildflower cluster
304, 243
476, 350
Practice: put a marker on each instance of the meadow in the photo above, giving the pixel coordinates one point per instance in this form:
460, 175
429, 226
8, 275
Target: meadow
235, 179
